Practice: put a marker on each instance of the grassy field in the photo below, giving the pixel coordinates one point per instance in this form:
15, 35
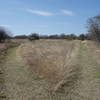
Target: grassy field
52, 70
3, 52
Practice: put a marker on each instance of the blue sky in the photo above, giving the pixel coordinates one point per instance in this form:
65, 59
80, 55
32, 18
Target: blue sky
47, 16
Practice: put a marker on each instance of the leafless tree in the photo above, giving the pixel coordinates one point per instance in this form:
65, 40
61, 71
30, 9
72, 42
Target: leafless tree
94, 28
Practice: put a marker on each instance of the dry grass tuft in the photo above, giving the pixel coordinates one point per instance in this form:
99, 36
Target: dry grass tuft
51, 59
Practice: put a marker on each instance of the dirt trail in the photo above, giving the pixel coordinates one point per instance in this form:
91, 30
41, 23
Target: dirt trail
88, 85
22, 84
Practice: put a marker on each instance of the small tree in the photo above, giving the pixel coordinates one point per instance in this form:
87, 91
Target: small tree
82, 37
3, 35
34, 36
94, 28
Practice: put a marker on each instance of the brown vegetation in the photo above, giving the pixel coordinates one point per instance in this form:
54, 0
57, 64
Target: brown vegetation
50, 58
53, 70
4, 47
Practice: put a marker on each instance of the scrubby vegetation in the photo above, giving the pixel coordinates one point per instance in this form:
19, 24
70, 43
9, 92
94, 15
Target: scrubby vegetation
94, 28
36, 36
33, 36
4, 35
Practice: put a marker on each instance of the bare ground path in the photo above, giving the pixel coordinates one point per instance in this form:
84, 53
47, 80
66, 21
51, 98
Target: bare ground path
22, 84
88, 85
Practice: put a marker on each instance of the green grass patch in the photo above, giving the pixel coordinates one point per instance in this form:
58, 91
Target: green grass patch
11, 51
98, 73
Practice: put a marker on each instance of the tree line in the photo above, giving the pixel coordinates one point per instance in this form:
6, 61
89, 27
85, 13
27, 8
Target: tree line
36, 36
93, 26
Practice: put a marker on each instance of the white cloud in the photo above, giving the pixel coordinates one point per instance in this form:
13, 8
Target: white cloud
68, 12
5, 25
39, 12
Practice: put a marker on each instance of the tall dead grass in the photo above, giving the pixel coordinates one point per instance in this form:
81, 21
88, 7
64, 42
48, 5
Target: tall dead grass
51, 59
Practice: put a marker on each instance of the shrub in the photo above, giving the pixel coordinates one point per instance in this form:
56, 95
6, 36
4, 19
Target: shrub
3, 35
34, 36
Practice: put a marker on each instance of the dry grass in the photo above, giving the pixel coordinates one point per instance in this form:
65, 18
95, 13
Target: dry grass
95, 49
51, 59
12, 43
53, 70
3, 48
3, 53
19, 41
